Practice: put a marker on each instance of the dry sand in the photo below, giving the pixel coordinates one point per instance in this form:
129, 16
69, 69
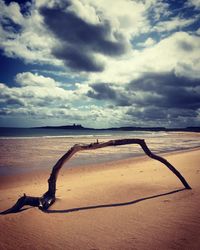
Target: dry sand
129, 204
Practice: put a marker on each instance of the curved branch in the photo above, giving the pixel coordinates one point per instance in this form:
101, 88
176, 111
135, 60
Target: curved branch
49, 197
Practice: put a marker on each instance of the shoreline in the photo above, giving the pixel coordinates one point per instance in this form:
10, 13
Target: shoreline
20, 156
138, 157
100, 135
92, 167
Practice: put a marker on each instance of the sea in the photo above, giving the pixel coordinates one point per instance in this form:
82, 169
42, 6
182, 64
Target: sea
31, 149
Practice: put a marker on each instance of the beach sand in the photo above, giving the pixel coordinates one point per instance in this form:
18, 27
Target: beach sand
135, 203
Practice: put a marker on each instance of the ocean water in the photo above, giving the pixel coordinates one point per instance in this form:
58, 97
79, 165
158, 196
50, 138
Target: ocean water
25, 150
50, 132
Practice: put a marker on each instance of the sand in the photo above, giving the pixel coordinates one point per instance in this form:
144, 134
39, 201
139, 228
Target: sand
128, 204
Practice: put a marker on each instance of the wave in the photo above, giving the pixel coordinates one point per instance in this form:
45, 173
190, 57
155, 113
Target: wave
53, 136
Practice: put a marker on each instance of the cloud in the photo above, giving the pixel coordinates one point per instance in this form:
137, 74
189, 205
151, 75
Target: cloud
87, 35
133, 20
102, 91
41, 105
13, 11
161, 97
109, 92
30, 79
195, 3
80, 39
23, 36
78, 33
157, 9
178, 52
172, 91
35, 90
77, 60
173, 24
156, 89
155, 116
149, 42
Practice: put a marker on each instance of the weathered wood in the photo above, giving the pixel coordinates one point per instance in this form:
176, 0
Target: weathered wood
49, 197
21, 202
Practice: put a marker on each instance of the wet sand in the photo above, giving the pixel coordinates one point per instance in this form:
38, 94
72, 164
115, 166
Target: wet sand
136, 203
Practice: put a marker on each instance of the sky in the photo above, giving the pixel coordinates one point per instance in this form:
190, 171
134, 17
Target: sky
100, 63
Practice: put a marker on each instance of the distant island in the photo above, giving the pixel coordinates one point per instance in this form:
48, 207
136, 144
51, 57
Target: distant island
130, 128
79, 127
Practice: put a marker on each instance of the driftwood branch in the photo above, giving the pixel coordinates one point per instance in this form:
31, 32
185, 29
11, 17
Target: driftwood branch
48, 198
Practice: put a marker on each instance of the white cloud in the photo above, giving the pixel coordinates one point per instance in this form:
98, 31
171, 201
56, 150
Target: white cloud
166, 55
198, 32
132, 18
12, 11
31, 43
147, 43
173, 24
30, 79
84, 10
158, 9
40, 103
35, 90
195, 3
169, 54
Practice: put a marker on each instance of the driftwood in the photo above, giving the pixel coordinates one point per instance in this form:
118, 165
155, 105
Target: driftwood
48, 198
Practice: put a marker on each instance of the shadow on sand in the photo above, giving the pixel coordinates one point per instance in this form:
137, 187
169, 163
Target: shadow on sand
113, 204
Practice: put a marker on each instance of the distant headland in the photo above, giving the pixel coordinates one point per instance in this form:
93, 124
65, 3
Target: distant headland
79, 127
129, 128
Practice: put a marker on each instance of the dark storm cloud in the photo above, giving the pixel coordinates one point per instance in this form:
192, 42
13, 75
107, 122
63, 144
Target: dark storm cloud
147, 113
171, 91
152, 80
163, 90
77, 60
102, 91
155, 97
105, 91
159, 113
119, 96
79, 39
170, 98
